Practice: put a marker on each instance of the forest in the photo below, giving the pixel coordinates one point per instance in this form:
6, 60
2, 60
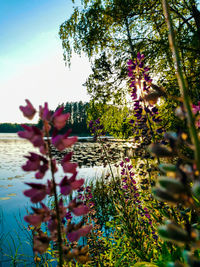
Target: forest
77, 120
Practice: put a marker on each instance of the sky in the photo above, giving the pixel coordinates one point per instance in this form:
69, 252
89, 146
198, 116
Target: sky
31, 58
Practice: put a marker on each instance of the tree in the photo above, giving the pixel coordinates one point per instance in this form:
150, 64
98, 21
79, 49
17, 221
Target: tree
112, 31
115, 119
78, 117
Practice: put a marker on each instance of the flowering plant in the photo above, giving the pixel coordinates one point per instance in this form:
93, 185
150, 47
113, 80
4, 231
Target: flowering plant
147, 120
61, 230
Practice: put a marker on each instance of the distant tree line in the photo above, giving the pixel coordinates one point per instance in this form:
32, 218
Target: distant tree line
77, 120
10, 127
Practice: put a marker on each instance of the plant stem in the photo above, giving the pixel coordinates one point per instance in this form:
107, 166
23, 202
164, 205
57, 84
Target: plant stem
182, 83
106, 154
150, 126
59, 241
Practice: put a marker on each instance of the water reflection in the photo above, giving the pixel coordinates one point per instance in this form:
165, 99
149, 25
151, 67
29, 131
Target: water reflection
13, 203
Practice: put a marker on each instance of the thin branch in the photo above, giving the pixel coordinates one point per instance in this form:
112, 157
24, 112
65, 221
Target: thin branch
184, 20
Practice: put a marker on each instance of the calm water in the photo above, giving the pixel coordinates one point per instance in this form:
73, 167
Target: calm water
13, 203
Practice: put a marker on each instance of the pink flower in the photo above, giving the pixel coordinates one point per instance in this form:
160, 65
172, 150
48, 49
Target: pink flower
130, 62
140, 56
78, 208
63, 141
68, 216
74, 234
40, 242
34, 135
44, 112
37, 193
53, 224
67, 165
62, 209
39, 216
195, 108
36, 162
28, 110
198, 123
68, 185
59, 119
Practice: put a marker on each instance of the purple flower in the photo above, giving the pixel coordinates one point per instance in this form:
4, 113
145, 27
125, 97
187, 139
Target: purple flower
125, 186
45, 113
196, 108
67, 165
37, 193
63, 141
130, 62
140, 56
155, 110
41, 242
75, 234
68, 185
59, 119
127, 159
81, 189
62, 208
36, 162
52, 225
34, 135
121, 164
123, 172
68, 215
197, 123
28, 110
39, 216
78, 208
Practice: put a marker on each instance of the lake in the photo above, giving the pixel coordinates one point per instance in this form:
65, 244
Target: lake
13, 204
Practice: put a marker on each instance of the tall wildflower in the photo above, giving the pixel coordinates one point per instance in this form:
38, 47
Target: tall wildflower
146, 115
58, 232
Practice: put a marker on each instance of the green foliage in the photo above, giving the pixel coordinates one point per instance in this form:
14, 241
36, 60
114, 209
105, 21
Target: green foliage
10, 127
103, 200
115, 119
78, 117
126, 232
144, 264
110, 32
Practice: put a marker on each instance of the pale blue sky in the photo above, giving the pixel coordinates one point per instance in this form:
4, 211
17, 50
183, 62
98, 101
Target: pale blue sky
31, 60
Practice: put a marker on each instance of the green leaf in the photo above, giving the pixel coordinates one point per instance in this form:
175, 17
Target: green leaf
167, 168
164, 196
196, 190
174, 233
171, 184
144, 264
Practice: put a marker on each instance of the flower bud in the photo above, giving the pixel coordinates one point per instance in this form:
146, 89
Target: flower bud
167, 168
160, 150
172, 185
174, 233
164, 196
